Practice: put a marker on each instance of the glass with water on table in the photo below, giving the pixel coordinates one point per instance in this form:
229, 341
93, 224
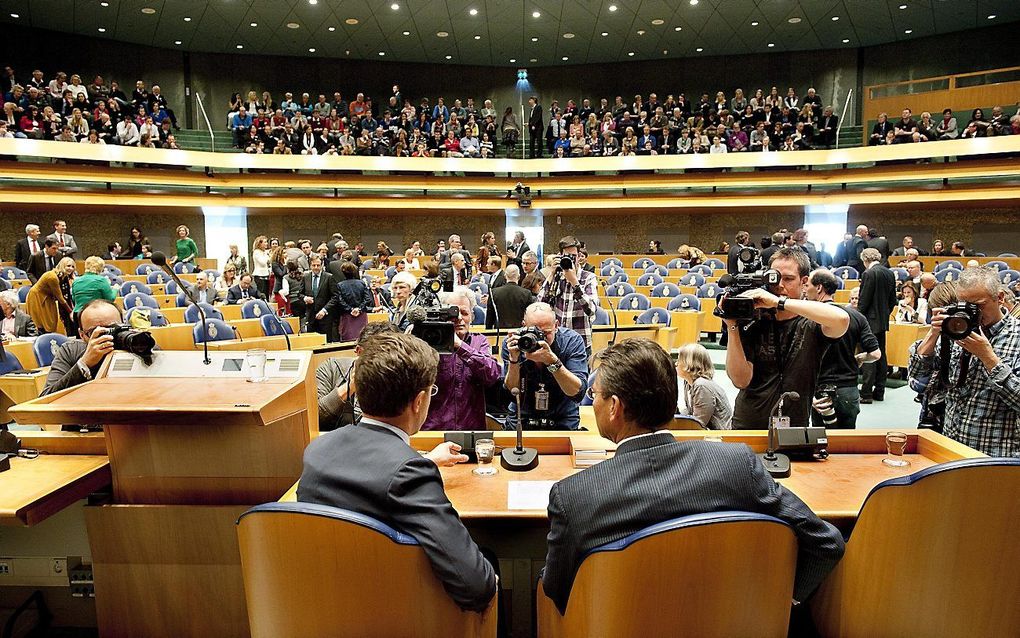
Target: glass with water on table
485, 449
896, 445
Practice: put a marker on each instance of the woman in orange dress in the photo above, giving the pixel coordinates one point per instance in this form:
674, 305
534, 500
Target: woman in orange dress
47, 303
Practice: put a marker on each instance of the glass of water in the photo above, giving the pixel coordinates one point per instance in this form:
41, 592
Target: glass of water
895, 445
485, 449
255, 359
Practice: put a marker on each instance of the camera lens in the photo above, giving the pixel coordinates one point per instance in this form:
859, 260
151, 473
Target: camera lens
566, 263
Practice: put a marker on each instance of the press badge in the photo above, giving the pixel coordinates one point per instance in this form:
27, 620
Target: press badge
541, 398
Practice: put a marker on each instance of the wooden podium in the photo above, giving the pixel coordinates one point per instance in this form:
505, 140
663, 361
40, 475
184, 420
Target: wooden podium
191, 447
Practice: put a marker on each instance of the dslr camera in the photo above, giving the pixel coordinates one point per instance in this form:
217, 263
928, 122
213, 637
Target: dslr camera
753, 275
130, 339
565, 262
828, 414
530, 339
960, 319
432, 321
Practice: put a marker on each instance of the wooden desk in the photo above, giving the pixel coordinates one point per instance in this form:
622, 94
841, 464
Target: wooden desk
304, 341
15, 388
35, 489
899, 339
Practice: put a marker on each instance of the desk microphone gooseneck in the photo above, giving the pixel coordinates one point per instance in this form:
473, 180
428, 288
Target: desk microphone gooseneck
519, 458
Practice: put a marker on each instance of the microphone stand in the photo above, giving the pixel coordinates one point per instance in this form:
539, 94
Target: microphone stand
520, 458
283, 327
616, 323
777, 465
159, 259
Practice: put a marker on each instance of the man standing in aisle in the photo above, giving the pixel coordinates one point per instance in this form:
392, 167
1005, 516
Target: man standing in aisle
536, 128
320, 299
27, 246
878, 299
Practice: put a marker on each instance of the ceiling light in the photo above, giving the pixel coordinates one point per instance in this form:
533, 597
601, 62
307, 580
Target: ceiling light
565, 58
835, 18
177, 42
449, 57
473, 12
407, 33
313, 2
534, 39
605, 33
908, 31
512, 60
794, 20
102, 29
15, 16
254, 24
311, 49
441, 34
630, 53
331, 29
240, 46
991, 17
148, 11
665, 52
772, 45
699, 49
293, 25
846, 40
478, 37
104, 4
694, 2
641, 32
568, 36
903, 6
536, 14
395, 6
350, 21
678, 28
382, 53
657, 22
612, 7
534, 60
187, 18
754, 24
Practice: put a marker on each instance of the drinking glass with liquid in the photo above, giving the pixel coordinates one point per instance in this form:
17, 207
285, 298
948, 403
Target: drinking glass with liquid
896, 446
485, 449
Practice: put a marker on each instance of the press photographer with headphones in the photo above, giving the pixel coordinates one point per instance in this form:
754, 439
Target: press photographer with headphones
553, 365
982, 366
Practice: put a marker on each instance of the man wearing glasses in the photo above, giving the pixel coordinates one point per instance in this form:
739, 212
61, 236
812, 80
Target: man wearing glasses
552, 379
78, 360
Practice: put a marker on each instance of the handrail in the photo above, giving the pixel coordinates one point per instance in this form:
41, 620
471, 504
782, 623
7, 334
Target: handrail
869, 155
940, 77
212, 138
842, 116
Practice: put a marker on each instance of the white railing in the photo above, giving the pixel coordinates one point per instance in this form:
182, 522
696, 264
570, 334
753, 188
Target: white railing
201, 107
842, 116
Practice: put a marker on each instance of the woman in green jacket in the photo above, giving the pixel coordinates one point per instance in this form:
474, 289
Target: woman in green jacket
187, 249
92, 285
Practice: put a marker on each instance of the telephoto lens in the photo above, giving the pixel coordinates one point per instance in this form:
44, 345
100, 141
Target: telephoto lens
829, 413
530, 339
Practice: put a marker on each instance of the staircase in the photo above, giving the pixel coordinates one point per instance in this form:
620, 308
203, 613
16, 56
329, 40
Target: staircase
851, 136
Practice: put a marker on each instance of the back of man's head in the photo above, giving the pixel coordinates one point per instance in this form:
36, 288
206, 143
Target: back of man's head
870, 255
513, 273
641, 375
826, 280
392, 369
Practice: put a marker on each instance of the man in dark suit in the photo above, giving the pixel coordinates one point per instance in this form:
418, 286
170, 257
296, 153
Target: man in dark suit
371, 468
879, 243
741, 240
536, 130
856, 245
908, 243
202, 292
456, 247
516, 249
877, 301
508, 303
497, 276
381, 298
654, 478
456, 271
43, 261
27, 246
243, 292
320, 299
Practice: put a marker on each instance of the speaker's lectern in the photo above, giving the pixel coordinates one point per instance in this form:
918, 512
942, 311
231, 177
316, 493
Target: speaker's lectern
191, 446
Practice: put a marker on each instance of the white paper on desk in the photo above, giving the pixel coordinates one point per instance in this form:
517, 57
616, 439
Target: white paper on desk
528, 495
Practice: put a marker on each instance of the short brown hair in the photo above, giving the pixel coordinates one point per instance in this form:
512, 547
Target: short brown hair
641, 374
391, 371
349, 270
793, 254
569, 242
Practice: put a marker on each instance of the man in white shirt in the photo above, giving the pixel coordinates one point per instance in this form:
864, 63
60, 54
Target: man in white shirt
127, 132
27, 246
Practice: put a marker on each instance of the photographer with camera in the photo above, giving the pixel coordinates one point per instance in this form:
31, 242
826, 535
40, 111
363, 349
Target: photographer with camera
78, 360
836, 400
548, 363
572, 292
463, 374
976, 353
780, 348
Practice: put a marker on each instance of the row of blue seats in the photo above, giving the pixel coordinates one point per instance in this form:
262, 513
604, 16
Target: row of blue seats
154, 273
717, 264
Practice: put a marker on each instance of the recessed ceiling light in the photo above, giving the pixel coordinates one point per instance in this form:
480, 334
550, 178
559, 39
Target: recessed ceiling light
605, 33
104, 4
311, 49
658, 21
903, 6
694, 2
253, 24
908, 31
331, 29
187, 18
772, 45
102, 29
699, 49
293, 25
478, 37
534, 39
794, 20
533, 60
512, 60
678, 28
568, 36
351, 21
754, 24
835, 18
536, 14
630, 53
665, 52
473, 12
382, 53
407, 33
395, 6
240, 46
148, 11
441, 34
846, 40
565, 58
641, 32
177, 42
313, 2
449, 57
991, 17
612, 7
15, 16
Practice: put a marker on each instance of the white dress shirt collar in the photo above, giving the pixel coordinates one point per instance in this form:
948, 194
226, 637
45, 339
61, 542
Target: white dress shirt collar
638, 436
404, 436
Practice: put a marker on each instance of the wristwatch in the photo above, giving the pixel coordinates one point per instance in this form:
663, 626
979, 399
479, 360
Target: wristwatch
555, 367
782, 303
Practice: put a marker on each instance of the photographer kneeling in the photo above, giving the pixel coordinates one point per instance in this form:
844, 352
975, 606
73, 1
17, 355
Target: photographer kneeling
549, 365
463, 374
78, 360
781, 351
979, 363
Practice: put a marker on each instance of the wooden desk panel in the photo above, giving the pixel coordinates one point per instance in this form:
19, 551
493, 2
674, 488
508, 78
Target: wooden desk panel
23, 351
15, 388
35, 489
298, 342
899, 339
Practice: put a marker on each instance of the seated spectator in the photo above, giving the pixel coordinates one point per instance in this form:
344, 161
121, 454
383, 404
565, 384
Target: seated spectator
654, 248
881, 130
905, 128
701, 397
14, 324
240, 125
946, 128
469, 145
244, 291
717, 146
911, 308
127, 132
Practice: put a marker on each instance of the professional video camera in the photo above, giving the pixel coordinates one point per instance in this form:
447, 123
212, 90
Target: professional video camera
752, 275
960, 319
129, 339
432, 321
530, 339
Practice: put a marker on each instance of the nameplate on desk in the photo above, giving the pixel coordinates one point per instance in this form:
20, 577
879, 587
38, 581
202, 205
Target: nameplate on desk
586, 458
528, 495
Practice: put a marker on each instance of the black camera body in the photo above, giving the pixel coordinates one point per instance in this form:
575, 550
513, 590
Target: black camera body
530, 339
828, 415
960, 319
130, 339
437, 326
732, 306
566, 262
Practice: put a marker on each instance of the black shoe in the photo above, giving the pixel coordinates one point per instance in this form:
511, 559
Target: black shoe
878, 398
866, 401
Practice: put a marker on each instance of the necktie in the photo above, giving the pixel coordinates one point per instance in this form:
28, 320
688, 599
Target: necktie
61, 238
244, 293
315, 285
35, 246
49, 263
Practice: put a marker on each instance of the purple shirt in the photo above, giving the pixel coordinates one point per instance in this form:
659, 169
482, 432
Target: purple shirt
462, 379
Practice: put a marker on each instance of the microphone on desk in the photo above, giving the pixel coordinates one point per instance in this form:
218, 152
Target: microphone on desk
777, 465
283, 327
519, 458
159, 259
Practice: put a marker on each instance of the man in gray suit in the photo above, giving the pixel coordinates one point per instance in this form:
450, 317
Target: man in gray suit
65, 242
78, 360
13, 322
655, 478
446, 256
371, 468
202, 292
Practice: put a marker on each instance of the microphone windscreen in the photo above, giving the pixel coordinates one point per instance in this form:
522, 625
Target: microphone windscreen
416, 313
793, 396
515, 391
159, 259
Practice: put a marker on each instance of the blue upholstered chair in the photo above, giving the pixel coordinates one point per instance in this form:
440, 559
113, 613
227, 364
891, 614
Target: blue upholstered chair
45, 347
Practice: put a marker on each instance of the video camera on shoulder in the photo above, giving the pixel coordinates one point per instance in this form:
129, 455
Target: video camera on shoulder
960, 319
431, 320
753, 275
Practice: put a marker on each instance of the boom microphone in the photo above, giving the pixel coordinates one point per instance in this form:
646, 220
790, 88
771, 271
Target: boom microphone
416, 314
159, 259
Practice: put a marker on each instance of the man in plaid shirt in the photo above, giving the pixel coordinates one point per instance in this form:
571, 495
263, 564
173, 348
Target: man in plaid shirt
983, 397
572, 293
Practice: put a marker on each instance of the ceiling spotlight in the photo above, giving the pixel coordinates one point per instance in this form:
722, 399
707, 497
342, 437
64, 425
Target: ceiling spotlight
449, 57
536, 14
313, 2
902, 7
991, 17
311, 49
534, 39
407, 33
187, 18
395, 6
678, 28
794, 20
534, 60
512, 60
612, 7
605, 33
331, 29
240, 46
641, 32
754, 24
442, 34
665, 52
565, 58
478, 37
908, 31
694, 2
846, 40
835, 18
772, 45
293, 25
568, 36
177, 42
382, 53
102, 29
254, 24
350, 21
657, 22
630, 53
104, 4
473, 12
148, 11
699, 49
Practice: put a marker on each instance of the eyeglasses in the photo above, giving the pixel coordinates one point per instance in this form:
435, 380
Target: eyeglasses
590, 392
434, 390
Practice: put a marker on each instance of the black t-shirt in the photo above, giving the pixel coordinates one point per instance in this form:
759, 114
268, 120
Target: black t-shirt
839, 367
786, 356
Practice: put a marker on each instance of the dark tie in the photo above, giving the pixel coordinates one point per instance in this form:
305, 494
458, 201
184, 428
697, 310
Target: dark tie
315, 285
49, 263
244, 293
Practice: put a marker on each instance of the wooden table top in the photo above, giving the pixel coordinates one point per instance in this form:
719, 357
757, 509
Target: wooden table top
34, 489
